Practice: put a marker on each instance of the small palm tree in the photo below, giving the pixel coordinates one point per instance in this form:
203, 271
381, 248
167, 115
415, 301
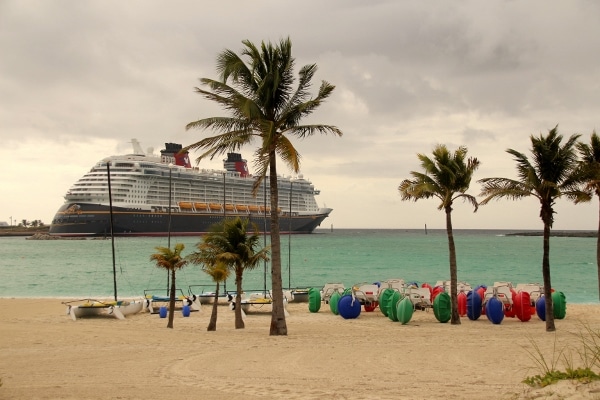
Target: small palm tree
171, 260
553, 173
590, 165
256, 88
447, 177
231, 244
219, 272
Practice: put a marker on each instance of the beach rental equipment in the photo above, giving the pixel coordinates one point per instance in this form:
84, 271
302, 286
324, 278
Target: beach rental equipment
540, 307
435, 291
404, 310
462, 303
393, 306
371, 306
473, 305
349, 307
314, 300
162, 312
494, 310
559, 305
334, 301
185, 310
384, 300
522, 306
442, 307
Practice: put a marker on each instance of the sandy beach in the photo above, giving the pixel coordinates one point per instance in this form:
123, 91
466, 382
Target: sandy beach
46, 355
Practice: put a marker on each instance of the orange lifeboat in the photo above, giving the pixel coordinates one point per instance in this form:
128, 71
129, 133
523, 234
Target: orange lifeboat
242, 207
253, 208
229, 207
201, 206
184, 205
214, 206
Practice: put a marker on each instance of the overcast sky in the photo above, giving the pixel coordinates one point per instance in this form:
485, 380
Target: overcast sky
80, 79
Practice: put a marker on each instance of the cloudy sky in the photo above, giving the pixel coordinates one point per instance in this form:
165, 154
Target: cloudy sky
80, 79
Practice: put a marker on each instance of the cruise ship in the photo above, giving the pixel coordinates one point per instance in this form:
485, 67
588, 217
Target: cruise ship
164, 195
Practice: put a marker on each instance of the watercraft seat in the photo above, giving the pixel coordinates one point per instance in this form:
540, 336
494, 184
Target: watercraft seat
419, 297
331, 288
460, 286
396, 284
366, 292
502, 293
535, 290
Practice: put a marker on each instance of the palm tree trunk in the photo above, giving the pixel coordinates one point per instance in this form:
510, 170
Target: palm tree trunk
455, 318
212, 325
547, 283
239, 321
598, 252
278, 323
172, 300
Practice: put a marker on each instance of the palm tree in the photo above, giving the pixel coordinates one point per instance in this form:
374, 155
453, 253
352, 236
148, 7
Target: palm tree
590, 164
446, 177
230, 243
171, 260
551, 174
256, 88
219, 272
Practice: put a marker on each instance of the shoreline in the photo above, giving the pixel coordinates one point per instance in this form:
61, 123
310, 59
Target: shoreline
42, 233
47, 355
581, 234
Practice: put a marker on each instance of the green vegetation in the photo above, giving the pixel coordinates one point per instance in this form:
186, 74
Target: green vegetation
256, 89
590, 164
553, 173
589, 355
233, 245
171, 260
447, 177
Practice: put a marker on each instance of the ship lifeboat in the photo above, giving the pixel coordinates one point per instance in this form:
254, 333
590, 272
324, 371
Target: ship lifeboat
253, 208
201, 206
229, 207
242, 207
214, 206
184, 205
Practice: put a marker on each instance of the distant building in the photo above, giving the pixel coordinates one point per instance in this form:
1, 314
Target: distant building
3, 223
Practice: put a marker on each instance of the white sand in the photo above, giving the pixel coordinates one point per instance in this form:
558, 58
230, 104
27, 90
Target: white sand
46, 355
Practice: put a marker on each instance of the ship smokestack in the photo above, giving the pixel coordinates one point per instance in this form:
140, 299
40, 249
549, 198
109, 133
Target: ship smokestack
171, 154
235, 163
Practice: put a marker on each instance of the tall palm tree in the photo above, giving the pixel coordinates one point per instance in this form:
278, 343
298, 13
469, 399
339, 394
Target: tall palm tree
551, 174
447, 177
171, 260
590, 164
232, 244
256, 89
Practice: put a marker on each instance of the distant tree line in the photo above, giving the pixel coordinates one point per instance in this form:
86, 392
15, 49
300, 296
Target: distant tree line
33, 224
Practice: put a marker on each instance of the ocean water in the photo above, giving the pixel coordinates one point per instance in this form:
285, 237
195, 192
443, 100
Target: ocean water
83, 268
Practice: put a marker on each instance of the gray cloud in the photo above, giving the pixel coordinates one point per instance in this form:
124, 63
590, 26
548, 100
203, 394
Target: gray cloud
89, 76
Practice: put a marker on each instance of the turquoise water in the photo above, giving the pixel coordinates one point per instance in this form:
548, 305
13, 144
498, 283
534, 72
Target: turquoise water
82, 268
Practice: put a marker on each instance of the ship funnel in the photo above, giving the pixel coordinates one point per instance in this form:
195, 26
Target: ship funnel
171, 154
235, 163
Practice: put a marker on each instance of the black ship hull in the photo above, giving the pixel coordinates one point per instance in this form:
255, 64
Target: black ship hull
88, 220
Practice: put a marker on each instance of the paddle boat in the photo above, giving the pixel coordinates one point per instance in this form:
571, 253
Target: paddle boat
205, 294
367, 294
91, 307
155, 301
